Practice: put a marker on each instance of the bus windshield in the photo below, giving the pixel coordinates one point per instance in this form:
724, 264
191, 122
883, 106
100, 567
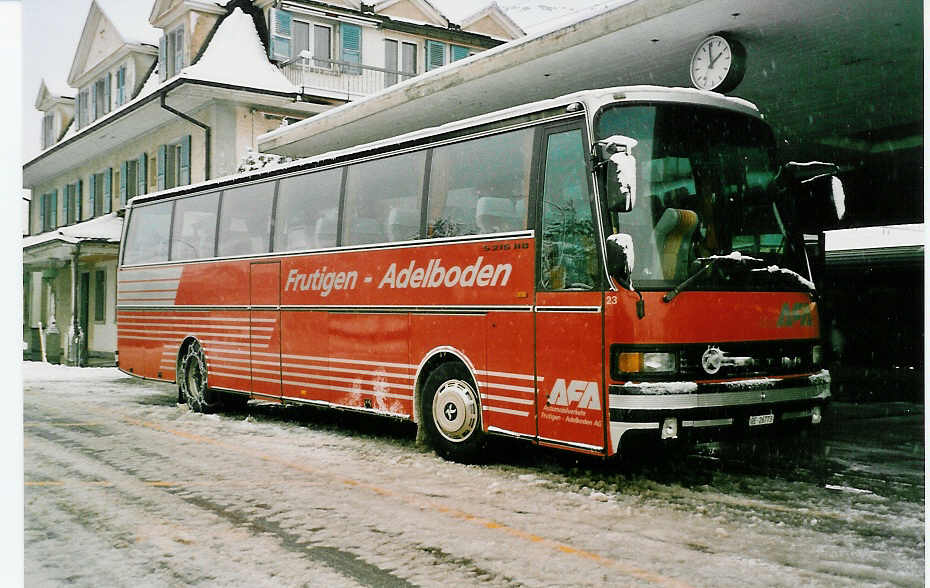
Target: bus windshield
703, 189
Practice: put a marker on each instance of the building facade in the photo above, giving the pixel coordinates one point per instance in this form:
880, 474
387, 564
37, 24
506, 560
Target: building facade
175, 93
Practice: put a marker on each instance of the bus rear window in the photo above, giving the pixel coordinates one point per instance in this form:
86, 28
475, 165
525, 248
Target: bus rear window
147, 234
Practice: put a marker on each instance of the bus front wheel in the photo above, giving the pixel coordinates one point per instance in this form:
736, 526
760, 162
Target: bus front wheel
452, 413
192, 379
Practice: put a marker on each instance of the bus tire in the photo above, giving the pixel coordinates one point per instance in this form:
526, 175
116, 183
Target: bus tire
451, 414
192, 380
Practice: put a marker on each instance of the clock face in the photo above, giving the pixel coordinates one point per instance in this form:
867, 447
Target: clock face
712, 63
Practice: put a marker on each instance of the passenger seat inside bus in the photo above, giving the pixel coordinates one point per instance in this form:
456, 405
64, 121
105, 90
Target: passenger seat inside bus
496, 215
324, 233
403, 224
673, 238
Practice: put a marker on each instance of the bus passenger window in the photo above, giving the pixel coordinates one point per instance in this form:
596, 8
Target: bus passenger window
147, 234
377, 189
245, 220
568, 257
480, 185
192, 236
307, 210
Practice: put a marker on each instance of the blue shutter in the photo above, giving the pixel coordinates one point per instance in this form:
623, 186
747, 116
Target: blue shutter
184, 173
459, 52
43, 215
178, 50
351, 46
108, 191
143, 174
123, 182
93, 196
160, 170
93, 101
120, 86
79, 208
54, 208
163, 59
65, 197
435, 54
107, 93
280, 24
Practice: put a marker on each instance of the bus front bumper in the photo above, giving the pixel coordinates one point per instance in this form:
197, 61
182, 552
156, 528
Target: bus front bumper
668, 410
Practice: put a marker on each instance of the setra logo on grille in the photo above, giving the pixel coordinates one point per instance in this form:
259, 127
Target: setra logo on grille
712, 360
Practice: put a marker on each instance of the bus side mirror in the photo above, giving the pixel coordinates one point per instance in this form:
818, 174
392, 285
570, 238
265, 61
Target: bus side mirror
615, 154
620, 259
816, 193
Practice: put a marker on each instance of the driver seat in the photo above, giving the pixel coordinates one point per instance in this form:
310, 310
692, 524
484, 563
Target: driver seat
673, 237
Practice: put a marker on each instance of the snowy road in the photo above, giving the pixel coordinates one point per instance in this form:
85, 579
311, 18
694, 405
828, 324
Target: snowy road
126, 488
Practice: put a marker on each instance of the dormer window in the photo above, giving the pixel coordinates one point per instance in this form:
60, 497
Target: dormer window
48, 130
121, 86
171, 54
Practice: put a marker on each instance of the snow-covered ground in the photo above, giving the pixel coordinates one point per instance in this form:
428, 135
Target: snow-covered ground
125, 487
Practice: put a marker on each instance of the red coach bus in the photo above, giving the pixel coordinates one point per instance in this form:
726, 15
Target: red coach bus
571, 272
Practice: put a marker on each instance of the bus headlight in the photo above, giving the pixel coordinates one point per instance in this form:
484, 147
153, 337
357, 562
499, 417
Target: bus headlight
647, 363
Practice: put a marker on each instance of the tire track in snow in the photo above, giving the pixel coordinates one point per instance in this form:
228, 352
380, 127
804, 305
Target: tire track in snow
559, 547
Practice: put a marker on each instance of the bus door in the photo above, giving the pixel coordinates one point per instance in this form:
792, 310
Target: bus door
265, 329
568, 309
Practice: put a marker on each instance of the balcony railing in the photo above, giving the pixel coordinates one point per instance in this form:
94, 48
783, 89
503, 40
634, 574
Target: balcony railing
339, 79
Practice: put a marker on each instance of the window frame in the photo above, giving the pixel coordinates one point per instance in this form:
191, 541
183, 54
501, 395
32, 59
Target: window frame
100, 299
48, 129
539, 171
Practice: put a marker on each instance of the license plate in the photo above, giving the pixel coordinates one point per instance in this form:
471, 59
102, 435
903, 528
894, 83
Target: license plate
761, 419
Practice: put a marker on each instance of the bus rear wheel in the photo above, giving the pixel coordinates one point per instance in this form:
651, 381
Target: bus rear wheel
451, 413
192, 380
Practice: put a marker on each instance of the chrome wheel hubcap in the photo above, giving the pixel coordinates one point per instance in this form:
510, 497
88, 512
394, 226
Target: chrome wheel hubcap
455, 410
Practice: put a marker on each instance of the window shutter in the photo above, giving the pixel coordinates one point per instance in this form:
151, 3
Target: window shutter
184, 173
123, 170
163, 59
93, 102
352, 46
459, 52
143, 174
93, 195
178, 50
79, 207
280, 47
107, 93
435, 54
120, 85
160, 170
65, 204
43, 216
108, 191
54, 208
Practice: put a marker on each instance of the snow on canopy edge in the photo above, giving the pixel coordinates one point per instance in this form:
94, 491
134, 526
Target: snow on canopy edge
108, 227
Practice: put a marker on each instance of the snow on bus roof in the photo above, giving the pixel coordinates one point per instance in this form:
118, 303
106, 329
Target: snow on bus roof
593, 98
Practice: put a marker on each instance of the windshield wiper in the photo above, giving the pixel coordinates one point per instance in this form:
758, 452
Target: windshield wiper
734, 259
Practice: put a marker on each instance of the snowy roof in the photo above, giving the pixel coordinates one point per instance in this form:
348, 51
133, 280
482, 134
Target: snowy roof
131, 19
236, 56
108, 227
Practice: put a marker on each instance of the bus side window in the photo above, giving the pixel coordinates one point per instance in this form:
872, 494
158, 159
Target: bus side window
147, 234
192, 236
245, 220
480, 185
307, 210
568, 256
373, 189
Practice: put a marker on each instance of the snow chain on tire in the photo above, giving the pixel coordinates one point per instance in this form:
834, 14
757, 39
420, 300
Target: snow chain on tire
192, 379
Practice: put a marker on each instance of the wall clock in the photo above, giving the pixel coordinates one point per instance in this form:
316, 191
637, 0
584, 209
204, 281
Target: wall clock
718, 64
